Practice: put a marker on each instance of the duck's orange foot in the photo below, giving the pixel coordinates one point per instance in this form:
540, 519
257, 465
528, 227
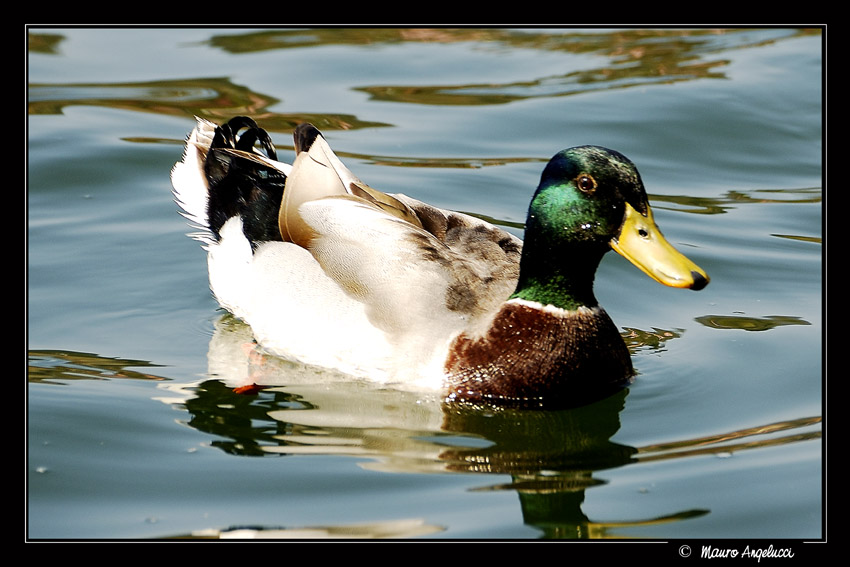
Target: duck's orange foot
249, 390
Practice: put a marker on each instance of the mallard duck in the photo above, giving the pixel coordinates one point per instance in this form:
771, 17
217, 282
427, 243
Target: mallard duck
328, 271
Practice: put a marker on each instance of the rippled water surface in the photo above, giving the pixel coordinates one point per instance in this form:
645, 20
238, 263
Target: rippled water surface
135, 429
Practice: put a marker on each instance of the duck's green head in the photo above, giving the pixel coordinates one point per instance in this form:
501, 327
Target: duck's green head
590, 200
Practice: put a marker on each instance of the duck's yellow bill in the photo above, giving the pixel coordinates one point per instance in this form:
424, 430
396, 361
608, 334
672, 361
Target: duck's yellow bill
642, 244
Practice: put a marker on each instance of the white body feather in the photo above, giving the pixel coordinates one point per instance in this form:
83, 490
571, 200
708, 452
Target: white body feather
363, 299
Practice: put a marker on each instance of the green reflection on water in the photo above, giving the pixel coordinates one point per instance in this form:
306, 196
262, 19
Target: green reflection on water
629, 58
55, 366
216, 99
749, 323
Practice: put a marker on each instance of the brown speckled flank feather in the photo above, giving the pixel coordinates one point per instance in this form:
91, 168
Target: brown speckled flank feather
534, 356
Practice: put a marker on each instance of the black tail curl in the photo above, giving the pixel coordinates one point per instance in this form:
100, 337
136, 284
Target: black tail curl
239, 186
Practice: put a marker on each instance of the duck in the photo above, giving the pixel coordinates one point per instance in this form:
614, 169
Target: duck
330, 272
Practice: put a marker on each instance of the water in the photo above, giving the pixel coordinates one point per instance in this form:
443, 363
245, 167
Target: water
134, 428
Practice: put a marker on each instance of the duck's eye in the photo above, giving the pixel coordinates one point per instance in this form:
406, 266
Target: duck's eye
586, 183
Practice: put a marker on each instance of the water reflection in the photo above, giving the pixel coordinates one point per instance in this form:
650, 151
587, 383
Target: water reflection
625, 45
46, 43
734, 199
627, 58
404, 529
58, 366
551, 457
744, 323
217, 99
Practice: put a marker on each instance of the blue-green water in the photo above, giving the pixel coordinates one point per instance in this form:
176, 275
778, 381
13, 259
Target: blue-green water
135, 431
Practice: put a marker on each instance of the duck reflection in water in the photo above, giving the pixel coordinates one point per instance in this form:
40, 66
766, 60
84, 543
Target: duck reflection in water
550, 457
